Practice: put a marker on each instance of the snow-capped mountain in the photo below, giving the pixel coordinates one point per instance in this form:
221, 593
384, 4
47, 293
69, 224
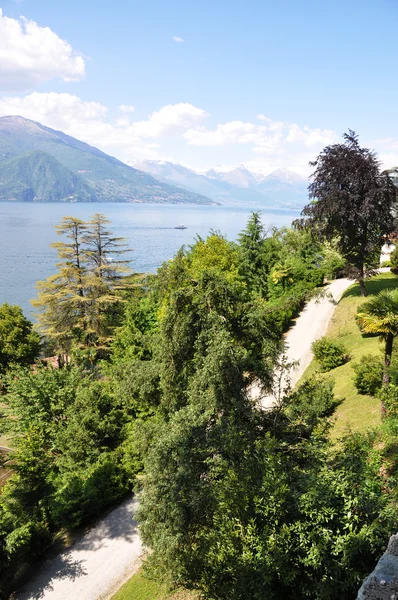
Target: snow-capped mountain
281, 188
240, 176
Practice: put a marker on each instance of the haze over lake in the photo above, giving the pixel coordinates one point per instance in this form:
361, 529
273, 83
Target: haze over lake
27, 230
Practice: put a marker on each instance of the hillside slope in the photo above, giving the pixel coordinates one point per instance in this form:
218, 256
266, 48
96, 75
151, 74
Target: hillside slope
99, 177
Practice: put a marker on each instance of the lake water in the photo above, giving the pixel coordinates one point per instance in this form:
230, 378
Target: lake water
27, 230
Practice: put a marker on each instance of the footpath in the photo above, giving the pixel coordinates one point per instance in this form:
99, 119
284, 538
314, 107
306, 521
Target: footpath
96, 565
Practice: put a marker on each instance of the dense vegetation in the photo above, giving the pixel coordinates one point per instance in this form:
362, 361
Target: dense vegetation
145, 382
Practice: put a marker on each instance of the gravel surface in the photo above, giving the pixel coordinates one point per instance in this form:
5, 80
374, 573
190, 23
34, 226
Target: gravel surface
310, 325
96, 565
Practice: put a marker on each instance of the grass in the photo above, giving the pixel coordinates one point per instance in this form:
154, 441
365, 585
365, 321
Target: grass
141, 588
356, 411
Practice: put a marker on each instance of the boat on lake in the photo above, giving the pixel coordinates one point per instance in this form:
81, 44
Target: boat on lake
181, 227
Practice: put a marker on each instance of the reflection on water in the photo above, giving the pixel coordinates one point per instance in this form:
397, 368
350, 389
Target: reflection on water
27, 230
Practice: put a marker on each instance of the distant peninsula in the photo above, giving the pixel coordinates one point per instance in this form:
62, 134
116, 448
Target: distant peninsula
39, 164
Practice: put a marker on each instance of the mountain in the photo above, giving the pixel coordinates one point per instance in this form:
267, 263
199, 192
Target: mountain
41, 164
240, 177
281, 188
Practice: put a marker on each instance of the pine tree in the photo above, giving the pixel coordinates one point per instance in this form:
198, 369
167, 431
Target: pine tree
62, 297
106, 279
79, 306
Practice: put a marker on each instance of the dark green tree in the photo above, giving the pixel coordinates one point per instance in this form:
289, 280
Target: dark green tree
19, 344
255, 264
352, 200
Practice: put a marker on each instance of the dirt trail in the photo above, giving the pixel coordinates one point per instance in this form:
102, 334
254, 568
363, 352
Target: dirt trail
96, 565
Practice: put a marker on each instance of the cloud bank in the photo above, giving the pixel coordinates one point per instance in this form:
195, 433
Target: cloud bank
30, 55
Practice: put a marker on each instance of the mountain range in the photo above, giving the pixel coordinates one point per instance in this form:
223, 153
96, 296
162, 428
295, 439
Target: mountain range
41, 164
281, 188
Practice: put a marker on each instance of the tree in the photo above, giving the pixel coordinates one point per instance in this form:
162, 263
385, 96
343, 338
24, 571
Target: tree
80, 305
106, 280
19, 344
379, 316
254, 267
62, 298
353, 200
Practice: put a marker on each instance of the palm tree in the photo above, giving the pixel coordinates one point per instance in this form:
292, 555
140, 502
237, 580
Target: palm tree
379, 315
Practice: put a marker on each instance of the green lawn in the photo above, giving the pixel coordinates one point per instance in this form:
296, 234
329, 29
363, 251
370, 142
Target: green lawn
356, 411
141, 588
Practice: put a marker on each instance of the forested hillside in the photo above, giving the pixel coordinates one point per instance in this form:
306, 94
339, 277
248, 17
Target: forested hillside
41, 164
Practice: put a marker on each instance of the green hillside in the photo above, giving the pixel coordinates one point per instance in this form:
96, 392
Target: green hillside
37, 176
75, 170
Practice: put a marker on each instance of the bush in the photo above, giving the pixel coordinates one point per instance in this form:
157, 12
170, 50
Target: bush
389, 396
329, 354
368, 375
394, 260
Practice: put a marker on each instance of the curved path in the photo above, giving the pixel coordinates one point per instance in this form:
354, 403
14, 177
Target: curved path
310, 325
96, 565
108, 554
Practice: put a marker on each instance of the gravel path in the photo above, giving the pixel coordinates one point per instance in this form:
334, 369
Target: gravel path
96, 565
310, 325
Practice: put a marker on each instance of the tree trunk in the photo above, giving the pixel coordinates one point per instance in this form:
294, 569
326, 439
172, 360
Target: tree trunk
387, 362
361, 280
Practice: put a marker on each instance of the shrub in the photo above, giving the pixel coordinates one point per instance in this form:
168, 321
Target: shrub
368, 375
394, 260
389, 396
329, 354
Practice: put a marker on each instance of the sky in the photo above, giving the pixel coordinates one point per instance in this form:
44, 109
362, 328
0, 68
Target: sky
266, 84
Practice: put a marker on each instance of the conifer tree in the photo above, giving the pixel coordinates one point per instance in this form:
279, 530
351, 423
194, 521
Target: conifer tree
106, 279
79, 305
62, 297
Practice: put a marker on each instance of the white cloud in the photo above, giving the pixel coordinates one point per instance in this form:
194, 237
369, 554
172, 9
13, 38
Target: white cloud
166, 133
88, 122
269, 138
30, 55
61, 111
172, 118
126, 108
234, 132
178, 39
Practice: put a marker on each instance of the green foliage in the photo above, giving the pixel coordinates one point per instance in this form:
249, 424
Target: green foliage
80, 306
394, 260
329, 354
368, 375
82, 493
389, 397
310, 402
379, 316
232, 510
237, 502
353, 200
19, 344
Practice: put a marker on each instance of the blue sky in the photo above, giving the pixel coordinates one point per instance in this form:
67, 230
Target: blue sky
262, 83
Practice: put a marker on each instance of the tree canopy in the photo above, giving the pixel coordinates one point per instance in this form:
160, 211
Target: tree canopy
19, 344
352, 201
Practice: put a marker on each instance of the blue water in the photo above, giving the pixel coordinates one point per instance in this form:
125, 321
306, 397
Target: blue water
27, 230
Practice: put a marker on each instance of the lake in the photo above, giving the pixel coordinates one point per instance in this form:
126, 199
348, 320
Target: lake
27, 230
